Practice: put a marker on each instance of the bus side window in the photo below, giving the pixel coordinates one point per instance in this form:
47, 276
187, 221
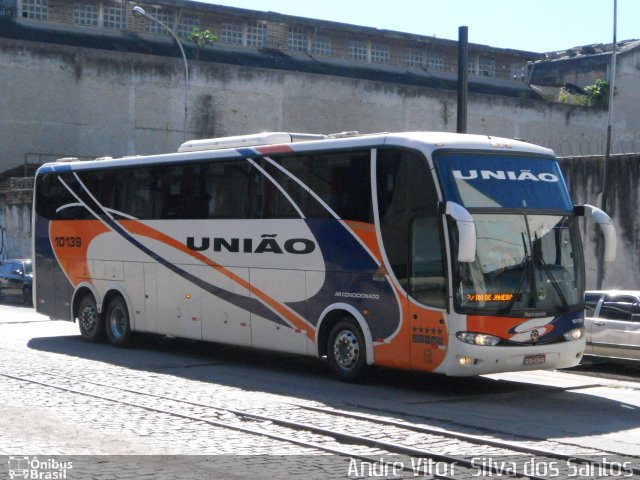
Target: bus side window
428, 281
405, 189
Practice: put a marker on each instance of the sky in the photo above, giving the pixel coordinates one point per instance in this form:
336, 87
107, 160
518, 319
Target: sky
535, 26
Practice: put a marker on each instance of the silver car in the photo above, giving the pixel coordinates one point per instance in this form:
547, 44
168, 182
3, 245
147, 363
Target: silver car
612, 324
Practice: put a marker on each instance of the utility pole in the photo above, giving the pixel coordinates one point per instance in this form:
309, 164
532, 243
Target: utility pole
607, 154
463, 42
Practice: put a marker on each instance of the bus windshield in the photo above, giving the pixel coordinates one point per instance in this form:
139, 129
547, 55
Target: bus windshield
528, 251
523, 263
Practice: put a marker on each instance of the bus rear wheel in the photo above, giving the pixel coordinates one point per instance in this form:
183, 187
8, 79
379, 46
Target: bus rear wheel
89, 320
346, 350
118, 326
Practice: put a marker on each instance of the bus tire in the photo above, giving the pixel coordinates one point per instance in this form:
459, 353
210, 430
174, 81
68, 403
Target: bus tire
117, 322
89, 320
346, 350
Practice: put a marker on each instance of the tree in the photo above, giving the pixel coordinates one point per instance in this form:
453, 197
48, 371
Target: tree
598, 93
201, 37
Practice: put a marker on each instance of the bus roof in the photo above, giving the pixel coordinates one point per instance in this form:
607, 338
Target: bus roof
269, 143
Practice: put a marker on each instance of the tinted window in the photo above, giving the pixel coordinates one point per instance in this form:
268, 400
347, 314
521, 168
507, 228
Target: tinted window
591, 302
619, 308
510, 181
51, 195
341, 180
428, 278
405, 190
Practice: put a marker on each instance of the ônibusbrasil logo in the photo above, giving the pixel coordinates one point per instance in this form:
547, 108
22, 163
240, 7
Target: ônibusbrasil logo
22, 467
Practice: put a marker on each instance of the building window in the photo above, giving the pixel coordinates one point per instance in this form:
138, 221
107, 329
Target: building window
320, 45
358, 50
36, 9
114, 16
471, 67
85, 14
297, 39
186, 24
163, 15
415, 57
487, 67
517, 71
436, 62
380, 53
256, 34
232, 33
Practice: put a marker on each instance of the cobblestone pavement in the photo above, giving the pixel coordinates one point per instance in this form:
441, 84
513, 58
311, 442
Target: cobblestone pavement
116, 438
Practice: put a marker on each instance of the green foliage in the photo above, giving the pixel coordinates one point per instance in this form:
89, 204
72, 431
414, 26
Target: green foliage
598, 93
201, 37
572, 99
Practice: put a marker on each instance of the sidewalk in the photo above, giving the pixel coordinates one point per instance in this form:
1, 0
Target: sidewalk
15, 312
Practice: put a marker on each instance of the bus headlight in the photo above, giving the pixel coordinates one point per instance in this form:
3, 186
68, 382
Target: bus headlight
481, 339
574, 334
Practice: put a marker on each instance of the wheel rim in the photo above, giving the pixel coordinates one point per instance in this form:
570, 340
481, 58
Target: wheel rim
88, 318
346, 349
117, 322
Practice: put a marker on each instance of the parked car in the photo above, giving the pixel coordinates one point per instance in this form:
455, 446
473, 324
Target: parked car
16, 279
612, 324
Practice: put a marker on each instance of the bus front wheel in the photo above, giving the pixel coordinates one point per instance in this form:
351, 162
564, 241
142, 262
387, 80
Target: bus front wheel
118, 326
346, 350
89, 320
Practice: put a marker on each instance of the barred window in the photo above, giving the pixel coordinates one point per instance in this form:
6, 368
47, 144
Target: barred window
232, 33
471, 67
487, 67
36, 9
85, 14
114, 16
517, 71
186, 24
256, 34
320, 45
163, 15
436, 62
380, 53
297, 39
415, 57
358, 50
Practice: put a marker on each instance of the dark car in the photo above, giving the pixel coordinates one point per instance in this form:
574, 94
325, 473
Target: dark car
612, 324
16, 279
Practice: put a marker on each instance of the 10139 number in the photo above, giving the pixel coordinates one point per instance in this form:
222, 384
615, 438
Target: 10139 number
73, 242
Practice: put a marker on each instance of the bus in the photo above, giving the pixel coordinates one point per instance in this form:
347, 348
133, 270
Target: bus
438, 252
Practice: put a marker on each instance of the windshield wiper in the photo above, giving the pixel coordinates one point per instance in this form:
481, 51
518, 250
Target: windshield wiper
526, 263
545, 268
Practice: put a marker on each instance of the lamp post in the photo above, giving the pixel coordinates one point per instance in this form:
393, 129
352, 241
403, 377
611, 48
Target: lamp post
140, 13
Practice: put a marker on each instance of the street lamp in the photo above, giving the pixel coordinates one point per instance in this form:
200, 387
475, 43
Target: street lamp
140, 13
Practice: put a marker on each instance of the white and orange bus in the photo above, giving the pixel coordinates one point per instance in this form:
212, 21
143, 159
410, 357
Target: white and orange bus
457, 254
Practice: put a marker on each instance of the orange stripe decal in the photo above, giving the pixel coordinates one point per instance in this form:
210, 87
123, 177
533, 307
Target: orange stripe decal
137, 228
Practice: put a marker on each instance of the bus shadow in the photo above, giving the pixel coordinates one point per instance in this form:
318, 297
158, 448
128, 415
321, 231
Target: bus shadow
507, 409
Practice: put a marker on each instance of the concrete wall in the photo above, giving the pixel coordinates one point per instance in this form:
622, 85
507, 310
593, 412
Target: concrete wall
583, 70
73, 101
584, 176
15, 218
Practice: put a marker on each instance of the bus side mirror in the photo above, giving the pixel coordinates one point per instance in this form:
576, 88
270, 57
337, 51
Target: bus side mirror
608, 230
466, 231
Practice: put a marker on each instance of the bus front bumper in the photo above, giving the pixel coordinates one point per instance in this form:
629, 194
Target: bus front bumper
468, 360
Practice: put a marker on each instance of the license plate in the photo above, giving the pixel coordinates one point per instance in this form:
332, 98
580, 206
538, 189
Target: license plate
535, 359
